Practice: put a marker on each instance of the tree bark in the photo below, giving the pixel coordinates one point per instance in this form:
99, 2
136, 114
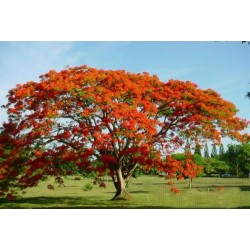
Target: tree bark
129, 174
120, 185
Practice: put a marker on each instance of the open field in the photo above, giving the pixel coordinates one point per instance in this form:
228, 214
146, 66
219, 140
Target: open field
147, 192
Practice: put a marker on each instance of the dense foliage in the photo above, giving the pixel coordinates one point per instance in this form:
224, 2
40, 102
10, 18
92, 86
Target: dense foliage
238, 157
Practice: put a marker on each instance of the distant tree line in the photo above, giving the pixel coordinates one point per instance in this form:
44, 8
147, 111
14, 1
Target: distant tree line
235, 161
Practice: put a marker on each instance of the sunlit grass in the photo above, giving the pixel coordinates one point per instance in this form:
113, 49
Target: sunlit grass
147, 192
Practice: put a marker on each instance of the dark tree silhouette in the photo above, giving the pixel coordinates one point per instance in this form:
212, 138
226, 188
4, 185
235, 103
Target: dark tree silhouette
214, 152
206, 151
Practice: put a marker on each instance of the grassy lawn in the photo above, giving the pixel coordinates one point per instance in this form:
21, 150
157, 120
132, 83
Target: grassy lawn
147, 192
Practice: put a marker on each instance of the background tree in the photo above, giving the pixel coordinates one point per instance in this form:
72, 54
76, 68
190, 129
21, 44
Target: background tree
247, 167
206, 151
214, 166
232, 158
214, 152
122, 120
244, 158
221, 150
197, 150
208, 167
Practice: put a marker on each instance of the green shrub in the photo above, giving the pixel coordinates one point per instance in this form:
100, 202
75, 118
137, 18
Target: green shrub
88, 187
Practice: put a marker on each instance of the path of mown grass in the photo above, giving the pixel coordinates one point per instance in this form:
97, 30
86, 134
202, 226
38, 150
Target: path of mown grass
147, 191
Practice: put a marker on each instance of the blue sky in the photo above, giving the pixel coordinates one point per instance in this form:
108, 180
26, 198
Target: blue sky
222, 66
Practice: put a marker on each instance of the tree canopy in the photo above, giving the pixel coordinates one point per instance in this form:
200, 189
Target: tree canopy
119, 119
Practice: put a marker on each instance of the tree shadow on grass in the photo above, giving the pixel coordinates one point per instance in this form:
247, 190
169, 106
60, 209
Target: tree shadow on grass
159, 184
68, 202
139, 192
242, 188
131, 192
93, 202
53, 202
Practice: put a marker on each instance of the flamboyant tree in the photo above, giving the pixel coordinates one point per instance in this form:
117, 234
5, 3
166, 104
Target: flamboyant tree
119, 119
191, 165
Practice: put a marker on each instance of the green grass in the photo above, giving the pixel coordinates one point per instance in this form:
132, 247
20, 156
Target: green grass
147, 192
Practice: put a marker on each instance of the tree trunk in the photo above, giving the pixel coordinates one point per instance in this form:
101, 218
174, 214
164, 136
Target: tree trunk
120, 185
